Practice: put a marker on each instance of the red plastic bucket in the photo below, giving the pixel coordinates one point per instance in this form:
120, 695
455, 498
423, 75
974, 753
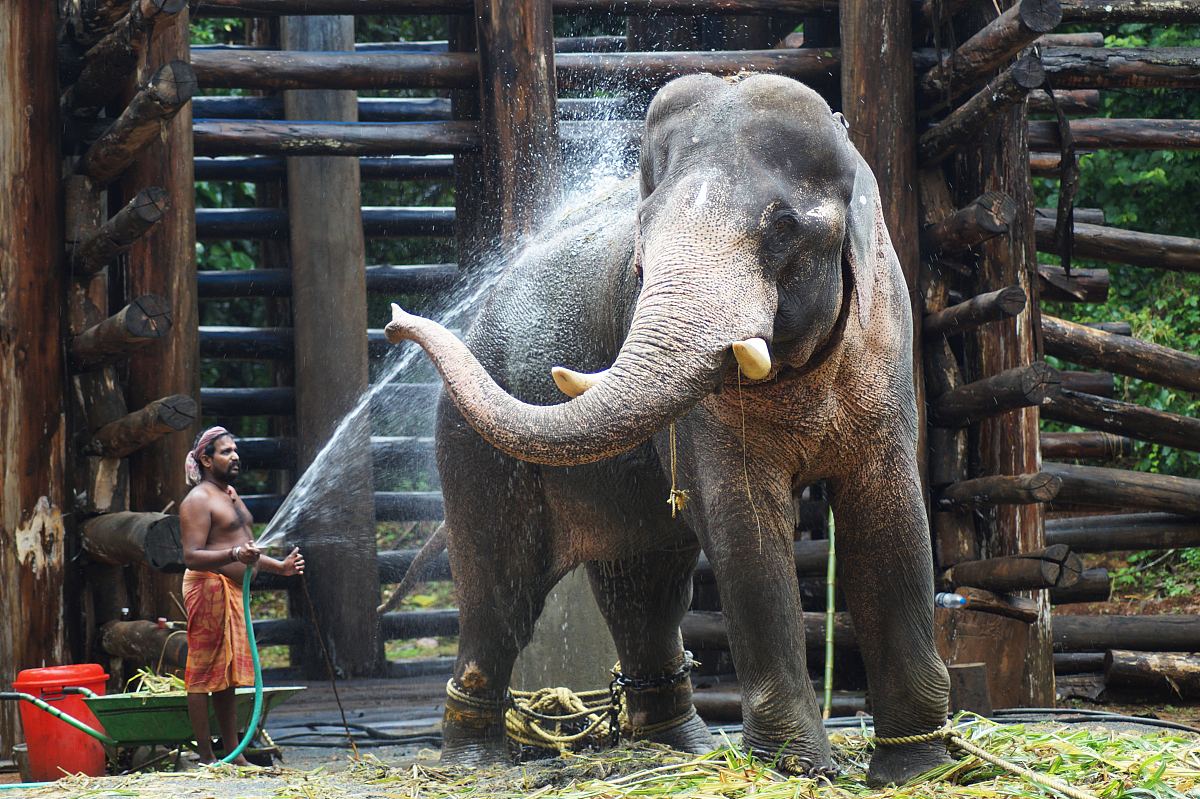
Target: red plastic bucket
54, 746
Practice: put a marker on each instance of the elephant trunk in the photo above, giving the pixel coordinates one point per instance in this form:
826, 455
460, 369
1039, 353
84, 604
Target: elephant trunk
677, 347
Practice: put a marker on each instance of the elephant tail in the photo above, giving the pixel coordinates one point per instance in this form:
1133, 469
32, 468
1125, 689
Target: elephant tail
419, 568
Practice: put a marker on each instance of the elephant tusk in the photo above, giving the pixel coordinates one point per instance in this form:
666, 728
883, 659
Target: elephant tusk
753, 358
572, 383
392, 330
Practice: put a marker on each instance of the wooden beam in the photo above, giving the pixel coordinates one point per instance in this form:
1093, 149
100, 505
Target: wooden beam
1125, 419
990, 307
1122, 68
152, 108
1098, 383
1051, 566
1165, 12
1087, 216
1019, 387
1119, 134
122, 437
1176, 633
1123, 532
127, 538
985, 217
1082, 285
706, 630
583, 71
146, 319
1177, 253
119, 233
276, 70
1078, 662
1119, 488
164, 264
1085, 446
249, 137
1045, 165
1072, 102
1086, 39
1002, 489
270, 8
1124, 355
421, 167
1010, 606
272, 223
1174, 673
144, 642
966, 122
109, 62
968, 66
1094, 585
403, 279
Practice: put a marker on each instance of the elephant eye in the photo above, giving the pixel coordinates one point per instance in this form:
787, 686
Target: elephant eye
781, 231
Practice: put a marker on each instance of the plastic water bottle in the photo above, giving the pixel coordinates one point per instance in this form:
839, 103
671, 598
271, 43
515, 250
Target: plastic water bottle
949, 601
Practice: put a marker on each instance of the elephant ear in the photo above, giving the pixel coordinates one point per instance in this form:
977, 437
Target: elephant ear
862, 231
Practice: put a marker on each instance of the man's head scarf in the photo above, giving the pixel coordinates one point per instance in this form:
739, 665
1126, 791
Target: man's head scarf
192, 465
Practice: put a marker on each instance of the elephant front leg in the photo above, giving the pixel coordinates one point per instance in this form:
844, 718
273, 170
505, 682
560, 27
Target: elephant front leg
749, 545
885, 570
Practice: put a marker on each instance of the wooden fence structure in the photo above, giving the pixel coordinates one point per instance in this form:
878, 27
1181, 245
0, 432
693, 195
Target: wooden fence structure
97, 243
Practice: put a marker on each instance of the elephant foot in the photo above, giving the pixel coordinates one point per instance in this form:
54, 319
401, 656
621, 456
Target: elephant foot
896, 765
486, 753
473, 730
690, 735
807, 756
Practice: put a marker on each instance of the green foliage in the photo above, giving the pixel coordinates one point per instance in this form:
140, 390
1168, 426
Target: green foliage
1175, 573
1151, 191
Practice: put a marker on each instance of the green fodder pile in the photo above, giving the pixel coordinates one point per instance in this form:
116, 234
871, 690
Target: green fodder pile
1107, 763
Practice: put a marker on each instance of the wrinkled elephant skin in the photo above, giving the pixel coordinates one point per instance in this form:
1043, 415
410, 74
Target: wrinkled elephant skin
753, 218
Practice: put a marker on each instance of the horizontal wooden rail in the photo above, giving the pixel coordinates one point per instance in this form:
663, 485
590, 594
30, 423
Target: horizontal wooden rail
1000, 489
1175, 633
1072, 102
1087, 216
1124, 355
400, 506
706, 630
272, 223
1120, 134
562, 44
388, 453
1119, 488
403, 279
1098, 383
584, 71
278, 70
268, 8
1125, 532
270, 137
416, 398
1102, 243
408, 109
1122, 68
1124, 419
401, 167
1094, 585
1085, 446
1165, 12
1082, 285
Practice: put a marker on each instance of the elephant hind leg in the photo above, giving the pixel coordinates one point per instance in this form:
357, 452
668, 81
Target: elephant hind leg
643, 599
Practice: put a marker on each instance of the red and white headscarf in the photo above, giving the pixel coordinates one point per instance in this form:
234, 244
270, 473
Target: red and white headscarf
192, 464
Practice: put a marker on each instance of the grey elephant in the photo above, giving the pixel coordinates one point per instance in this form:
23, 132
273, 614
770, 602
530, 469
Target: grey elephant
736, 317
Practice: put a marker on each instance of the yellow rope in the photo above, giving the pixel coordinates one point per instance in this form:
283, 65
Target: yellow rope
558, 706
953, 737
678, 497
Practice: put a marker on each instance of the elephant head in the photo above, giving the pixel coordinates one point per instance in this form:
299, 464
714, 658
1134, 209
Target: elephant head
757, 221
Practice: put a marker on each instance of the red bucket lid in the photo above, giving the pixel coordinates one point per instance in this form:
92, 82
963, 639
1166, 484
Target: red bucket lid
54, 676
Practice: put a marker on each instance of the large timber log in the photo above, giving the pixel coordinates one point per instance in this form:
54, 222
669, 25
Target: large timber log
1119, 488
1052, 566
985, 217
277, 401
990, 307
1094, 585
1082, 285
1124, 355
1124, 419
118, 234
128, 537
1176, 633
1085, 446
1098, 383
1122, 68
271, 8
276, 70
1125, 532
1177, 253
1072, 102
706, 630
272, 223
967, 121
111, 60
403, 279
1119, 134
1001, 489
1090, 216
122, 437
1175, 673
584, 71
1019, 387
1166, 12
723, 703
256, 137
1078, 662
1010, 606
399, 167
154, 106
145, 642
139, 323
1014, 30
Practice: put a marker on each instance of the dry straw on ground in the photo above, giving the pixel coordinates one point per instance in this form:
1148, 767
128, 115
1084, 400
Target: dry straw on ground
1109, 763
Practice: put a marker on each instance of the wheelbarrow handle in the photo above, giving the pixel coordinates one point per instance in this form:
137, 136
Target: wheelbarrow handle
58, 714
81, 691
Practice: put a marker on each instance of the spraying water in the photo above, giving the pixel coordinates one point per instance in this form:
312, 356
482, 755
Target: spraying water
594, 167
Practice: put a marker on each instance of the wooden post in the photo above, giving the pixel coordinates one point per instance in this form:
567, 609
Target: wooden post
32, 298
1018, 655
164, 264
329, 310
517, 113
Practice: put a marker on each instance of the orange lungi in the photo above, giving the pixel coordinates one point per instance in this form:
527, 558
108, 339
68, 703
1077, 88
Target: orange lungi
218, 650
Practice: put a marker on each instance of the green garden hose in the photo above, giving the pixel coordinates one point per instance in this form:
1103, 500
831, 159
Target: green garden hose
256, 714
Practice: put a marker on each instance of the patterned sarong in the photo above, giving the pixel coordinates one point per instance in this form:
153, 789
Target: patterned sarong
218, 650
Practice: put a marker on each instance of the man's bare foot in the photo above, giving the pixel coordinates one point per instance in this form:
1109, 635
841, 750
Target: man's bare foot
241, 760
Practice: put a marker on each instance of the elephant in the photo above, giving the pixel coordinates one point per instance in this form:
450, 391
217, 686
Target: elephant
727, 324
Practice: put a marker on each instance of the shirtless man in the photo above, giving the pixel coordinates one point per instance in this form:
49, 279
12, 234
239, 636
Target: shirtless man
218, 547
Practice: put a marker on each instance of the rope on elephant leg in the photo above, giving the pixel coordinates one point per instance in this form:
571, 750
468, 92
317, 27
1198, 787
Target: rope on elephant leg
953, 737
537, 718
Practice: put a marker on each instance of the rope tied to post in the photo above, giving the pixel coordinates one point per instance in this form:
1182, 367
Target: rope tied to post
953, 737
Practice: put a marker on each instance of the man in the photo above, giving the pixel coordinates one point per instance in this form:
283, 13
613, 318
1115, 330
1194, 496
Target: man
218, 547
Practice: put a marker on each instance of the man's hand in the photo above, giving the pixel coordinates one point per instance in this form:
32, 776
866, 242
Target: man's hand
293, 564
247, 553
